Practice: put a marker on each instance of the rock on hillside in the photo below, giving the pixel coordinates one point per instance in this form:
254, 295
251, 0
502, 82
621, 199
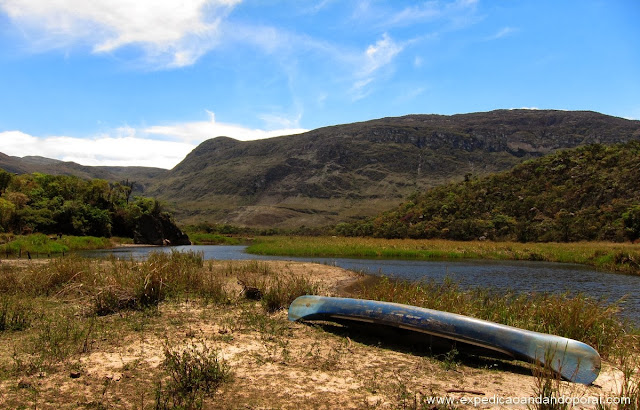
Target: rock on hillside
348, 171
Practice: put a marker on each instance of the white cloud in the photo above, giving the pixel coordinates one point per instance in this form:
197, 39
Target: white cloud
375, 57
156, 146
380, 54
170, 33
99, 150
198, 131
416, 13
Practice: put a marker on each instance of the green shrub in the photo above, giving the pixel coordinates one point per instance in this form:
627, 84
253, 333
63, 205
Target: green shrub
194, 372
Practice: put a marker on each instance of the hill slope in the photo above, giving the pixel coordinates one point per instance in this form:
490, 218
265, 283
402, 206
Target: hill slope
349, 171
142, 176
589, 193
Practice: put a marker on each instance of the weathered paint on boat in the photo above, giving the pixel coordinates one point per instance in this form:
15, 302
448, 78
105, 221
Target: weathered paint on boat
573, 360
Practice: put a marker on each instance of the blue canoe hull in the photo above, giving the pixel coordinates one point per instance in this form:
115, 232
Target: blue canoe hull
573, 360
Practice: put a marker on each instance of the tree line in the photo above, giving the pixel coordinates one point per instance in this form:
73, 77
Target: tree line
62, 204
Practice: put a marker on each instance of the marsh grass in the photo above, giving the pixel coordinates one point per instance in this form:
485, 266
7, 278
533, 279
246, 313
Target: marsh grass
40, 245
202, 238
55, 337
617, 257
627, 361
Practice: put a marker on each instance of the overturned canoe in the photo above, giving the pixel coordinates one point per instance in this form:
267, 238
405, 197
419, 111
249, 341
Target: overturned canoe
573, 360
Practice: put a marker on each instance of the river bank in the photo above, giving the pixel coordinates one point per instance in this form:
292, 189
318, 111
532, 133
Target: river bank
116, 333
613, 257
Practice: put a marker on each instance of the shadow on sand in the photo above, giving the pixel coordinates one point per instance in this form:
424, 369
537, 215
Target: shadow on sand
424, 345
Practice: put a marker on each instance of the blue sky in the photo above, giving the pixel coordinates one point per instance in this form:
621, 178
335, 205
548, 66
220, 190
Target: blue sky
120, 82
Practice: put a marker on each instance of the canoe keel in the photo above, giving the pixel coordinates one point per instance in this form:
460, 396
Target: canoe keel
573, 360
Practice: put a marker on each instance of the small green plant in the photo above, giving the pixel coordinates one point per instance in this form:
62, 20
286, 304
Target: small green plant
194, 372
449, 360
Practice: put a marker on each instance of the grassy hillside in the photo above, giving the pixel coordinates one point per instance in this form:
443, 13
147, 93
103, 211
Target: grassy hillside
348, 171
590, 193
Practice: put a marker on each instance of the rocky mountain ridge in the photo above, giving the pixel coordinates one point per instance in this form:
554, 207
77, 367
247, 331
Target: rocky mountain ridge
348, 171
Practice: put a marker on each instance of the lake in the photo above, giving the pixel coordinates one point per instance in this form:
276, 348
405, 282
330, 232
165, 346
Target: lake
519, 276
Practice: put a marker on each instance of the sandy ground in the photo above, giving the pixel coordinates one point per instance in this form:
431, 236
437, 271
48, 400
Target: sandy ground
274, 363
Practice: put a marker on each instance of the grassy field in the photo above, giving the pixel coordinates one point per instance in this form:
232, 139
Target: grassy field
178, 331
614, 257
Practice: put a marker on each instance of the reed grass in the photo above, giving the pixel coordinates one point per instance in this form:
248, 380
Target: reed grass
615, 257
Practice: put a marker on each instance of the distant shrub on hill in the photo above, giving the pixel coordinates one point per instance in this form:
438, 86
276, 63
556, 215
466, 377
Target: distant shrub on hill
589, 193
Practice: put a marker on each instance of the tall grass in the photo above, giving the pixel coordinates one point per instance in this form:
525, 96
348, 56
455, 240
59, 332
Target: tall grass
601, 255
114, 285
275, 289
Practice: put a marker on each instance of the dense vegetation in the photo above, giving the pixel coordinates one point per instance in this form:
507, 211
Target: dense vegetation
586, 194
69, 205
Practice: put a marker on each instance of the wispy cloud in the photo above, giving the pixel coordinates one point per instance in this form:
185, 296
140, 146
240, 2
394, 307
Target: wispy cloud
375, 57
168, 33
155, 146
380, 54
457, 13
504, 32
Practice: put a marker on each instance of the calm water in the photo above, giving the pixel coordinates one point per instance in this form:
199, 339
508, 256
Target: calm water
519, 276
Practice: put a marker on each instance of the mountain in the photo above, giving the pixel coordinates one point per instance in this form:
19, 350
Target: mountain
350, 171
347, 172
142, 176
584, 194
